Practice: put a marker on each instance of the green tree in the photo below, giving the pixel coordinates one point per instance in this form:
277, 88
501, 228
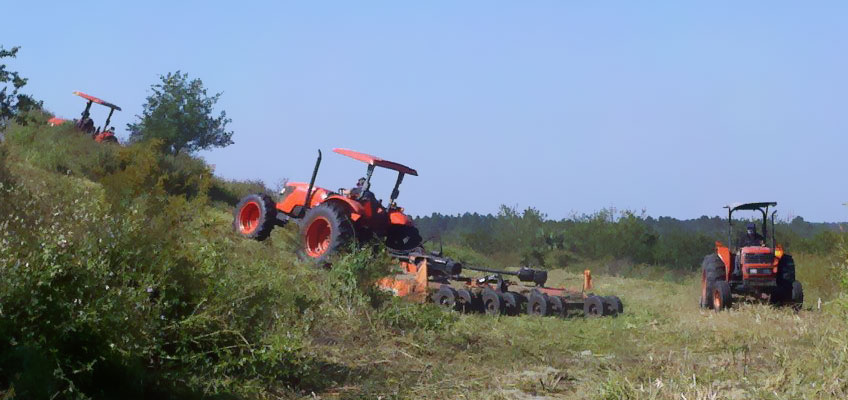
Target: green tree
180, 114
13, 103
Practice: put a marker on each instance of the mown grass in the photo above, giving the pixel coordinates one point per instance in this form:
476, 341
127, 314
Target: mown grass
175, 305
662, 347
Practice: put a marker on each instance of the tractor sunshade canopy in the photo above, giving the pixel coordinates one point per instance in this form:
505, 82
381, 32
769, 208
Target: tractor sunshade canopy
96, 100
377, 161
750, 206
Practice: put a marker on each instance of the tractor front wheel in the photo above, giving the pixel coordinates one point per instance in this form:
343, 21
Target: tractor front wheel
255, 216
325, 230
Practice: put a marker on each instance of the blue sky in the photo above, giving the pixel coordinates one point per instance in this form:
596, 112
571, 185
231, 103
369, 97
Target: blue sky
673, 107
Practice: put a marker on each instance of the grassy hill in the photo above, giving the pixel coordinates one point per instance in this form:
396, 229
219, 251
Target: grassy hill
122, 278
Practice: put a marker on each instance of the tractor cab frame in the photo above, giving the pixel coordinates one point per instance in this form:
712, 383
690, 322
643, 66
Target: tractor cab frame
763, 208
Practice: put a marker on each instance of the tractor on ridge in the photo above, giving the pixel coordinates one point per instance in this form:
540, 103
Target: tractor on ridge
756, 266
331, 220
86, 124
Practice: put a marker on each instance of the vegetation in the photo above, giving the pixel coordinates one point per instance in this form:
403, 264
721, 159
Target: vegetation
122, 278
527, 237
13, 103
179, 114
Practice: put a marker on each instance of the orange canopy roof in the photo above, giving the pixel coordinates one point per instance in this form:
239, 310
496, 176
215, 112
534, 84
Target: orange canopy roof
96, 100
371, 160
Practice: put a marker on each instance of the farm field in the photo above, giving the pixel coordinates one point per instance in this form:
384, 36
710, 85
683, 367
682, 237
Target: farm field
123, 276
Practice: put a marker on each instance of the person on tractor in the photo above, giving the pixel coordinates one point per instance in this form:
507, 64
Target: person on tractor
86, 125
356, 192
751, 238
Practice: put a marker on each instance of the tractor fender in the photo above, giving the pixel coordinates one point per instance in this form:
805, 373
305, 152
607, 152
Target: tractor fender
399, 218
723, 253
354, 207
294, 195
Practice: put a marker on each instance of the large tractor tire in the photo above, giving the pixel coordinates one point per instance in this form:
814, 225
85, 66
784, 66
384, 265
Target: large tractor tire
783, 293
255, 216
325, 230
721, 296
786, 271
797, 295
712, 270
403, 238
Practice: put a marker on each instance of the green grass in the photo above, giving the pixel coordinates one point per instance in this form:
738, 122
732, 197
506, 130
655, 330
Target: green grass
662, 347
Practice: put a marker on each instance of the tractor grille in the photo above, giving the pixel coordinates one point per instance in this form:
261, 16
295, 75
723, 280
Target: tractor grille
759, 258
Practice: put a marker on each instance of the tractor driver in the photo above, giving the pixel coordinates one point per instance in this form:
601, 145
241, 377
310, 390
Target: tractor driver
752, 238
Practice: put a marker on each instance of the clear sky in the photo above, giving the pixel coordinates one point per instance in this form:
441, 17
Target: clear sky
673, 107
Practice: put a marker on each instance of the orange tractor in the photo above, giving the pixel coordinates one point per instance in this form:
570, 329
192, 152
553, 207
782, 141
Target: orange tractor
86, 124
752, 268
330, 221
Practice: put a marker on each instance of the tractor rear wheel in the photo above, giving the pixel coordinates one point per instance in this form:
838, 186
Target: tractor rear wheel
712, 270
593, 306
721, 296
785, 280
446, 298
467, 302
492, 302
614, 305
797, 295
538, 304
786, 271
325, 230
255, 216
513, 302
557, 306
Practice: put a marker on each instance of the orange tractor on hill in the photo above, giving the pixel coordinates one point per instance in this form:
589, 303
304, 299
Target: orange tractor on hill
753, 267
86, 124
330, 221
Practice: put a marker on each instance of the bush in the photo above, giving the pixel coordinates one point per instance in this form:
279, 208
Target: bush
227, 193
126, 290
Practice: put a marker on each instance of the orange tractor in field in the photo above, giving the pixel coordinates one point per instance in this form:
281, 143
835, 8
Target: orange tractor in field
86, 124
755, 267
332, 220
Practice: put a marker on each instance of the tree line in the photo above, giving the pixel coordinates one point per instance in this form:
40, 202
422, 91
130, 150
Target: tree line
529, 237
